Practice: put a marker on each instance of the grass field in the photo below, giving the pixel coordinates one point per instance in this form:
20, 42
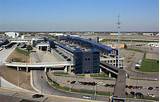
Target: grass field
149, 65
19, 55
99, 75
135, 50
25, 52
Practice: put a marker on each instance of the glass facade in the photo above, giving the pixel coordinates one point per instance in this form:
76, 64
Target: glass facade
87, 62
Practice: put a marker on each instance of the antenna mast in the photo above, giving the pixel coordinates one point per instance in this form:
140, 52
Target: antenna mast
118, 28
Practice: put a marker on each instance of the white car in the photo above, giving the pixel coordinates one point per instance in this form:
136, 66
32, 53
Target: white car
86, 97
151, 95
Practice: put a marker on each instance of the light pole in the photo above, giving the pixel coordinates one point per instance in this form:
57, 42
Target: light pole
41, 85
18, 69
95, 87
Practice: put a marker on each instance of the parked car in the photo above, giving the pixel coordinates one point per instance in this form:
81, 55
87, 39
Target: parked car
150, 88
86, 97
37, 96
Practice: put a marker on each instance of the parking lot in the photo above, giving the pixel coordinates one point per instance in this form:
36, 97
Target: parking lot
144, 87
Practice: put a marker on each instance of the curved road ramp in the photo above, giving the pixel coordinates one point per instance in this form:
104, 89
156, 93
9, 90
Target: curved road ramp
7, 95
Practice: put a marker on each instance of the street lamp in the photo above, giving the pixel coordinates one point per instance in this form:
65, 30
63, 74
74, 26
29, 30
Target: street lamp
41, 84
95, 87
18, 69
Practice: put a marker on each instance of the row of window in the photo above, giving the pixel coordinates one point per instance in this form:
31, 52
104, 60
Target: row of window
87, 59
114, 64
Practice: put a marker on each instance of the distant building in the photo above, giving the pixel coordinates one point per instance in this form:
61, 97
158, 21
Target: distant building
56, 34
113, 33
12, 34
148, 34
117, 45
22, 37
43, 46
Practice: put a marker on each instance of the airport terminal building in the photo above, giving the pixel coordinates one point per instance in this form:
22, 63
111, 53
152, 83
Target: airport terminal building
84, 54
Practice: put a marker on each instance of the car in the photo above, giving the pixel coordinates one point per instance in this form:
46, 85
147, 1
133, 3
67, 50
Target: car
157, 87
86, 97
138, 94
1, 49
150, 88
132, 93
73, 82
37, 96
68, 59
151, 95
33, 51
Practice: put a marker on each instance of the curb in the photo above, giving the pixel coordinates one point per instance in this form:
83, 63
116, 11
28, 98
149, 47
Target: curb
31, 82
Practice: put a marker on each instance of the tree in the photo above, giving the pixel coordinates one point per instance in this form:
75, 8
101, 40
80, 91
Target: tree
125, 46
29, 48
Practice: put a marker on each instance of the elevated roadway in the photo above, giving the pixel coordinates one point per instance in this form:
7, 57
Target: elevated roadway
35, 65
120, 86
108, 67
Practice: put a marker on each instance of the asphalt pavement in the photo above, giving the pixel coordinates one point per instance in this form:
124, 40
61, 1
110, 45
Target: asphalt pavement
39, 82
5, 53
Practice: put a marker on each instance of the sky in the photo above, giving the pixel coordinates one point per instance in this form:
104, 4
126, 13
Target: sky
79, 15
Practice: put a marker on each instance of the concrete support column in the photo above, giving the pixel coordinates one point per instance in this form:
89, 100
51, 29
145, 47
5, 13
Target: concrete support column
17, 68
100, 70
41, 48
109, 75
65, 69
45, 69
26, 69
49, 70
69, 70
47, 48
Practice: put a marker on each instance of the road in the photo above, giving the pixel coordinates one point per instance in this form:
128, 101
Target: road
39, 81
5, 53
13, 95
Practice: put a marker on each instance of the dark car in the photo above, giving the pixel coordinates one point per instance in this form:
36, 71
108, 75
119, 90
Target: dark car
132, 93
37, 96
68, 59
150, 88
138, 94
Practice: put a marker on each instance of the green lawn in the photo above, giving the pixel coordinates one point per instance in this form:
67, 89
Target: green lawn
60, 73
149, 65
25, 52
104, 75
132, 49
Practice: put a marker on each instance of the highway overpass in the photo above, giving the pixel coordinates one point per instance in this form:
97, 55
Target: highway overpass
56, 65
